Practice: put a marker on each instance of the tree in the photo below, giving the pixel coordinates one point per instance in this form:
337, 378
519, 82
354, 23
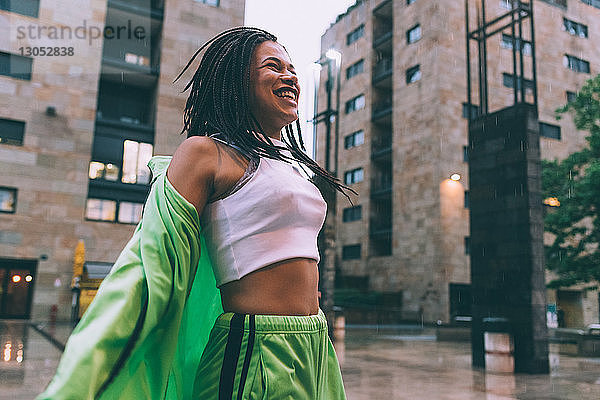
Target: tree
574, 254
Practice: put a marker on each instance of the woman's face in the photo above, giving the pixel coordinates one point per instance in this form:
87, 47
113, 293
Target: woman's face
274, 88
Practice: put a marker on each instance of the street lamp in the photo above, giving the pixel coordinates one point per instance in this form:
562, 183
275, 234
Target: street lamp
327, 236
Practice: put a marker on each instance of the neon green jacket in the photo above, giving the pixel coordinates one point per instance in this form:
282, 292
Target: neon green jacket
143, 335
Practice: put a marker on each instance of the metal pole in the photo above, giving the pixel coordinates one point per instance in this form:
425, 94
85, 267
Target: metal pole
337, 117
534, 77
315, 111
514, 53
480, 66
468, 41
328, 88
521, 45
485, 80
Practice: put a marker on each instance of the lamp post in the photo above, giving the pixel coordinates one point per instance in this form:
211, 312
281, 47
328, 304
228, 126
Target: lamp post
327, 236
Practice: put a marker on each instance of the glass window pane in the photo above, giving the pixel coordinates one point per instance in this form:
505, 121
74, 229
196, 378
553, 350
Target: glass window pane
101, 210
7, 200
96, 170
130, 213
359, 138
143, 172
130, 157
111, 172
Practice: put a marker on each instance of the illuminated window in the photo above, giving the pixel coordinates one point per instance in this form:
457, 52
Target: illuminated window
135, 157
11, 131
130, 213
101, 210
108, 171
8, 200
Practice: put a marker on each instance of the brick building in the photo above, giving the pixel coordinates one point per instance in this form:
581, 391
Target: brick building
77, 127
403, 134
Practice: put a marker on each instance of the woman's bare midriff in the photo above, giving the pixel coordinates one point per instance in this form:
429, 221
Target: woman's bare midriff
289, 287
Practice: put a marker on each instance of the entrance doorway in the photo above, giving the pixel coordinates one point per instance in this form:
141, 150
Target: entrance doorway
17, 280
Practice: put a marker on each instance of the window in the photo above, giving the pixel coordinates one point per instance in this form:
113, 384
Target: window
354, 139
15, 66
356, 103
575, 29
413, 34
355, 35
355, 69
351, 252
571, 96
473, 110
467, 199
409, 2
594, 3
465, 153
353, 176
558, 3
8, 200
352, 214
114, 158
413, 74
130, 213
135, 157
508, 80
576, 64
467, 245
24, 7
11, 131
506, 4
107, 210
549, 130
101, 210
507, 43
214, 3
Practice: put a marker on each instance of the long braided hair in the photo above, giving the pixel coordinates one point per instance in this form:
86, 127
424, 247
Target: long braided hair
218, 102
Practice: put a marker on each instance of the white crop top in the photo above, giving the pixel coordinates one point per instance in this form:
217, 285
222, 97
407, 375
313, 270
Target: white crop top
276, 215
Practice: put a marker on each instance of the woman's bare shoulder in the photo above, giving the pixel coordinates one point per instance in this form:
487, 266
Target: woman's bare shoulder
192, 169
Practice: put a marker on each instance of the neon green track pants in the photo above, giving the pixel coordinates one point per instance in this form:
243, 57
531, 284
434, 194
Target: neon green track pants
269, 357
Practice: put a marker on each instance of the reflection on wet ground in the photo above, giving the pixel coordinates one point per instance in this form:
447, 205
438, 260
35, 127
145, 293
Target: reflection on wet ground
400, 363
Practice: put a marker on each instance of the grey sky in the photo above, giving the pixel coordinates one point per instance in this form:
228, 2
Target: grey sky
298, 25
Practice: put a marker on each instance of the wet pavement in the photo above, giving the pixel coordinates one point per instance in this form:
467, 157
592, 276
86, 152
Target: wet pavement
386, 363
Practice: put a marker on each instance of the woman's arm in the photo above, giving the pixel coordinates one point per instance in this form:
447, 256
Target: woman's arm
192, 170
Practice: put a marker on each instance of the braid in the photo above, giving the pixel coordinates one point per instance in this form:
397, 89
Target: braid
219, 102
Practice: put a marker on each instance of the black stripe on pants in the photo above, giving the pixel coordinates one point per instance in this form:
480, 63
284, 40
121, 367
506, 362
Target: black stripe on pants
232, 353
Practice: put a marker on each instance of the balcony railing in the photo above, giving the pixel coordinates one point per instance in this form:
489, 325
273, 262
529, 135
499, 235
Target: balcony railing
381, 186
382, 36
382, 69
383, 107
381, 147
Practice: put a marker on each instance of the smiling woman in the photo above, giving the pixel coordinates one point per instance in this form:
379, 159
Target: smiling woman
227, 245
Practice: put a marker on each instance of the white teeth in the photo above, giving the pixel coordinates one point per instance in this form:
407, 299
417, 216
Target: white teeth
288, 94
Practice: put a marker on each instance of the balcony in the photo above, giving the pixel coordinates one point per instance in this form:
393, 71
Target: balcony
382, 187
382, 111
382, 73
381, 149
152, 8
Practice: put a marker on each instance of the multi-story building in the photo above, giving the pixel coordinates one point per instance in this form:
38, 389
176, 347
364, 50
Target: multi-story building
403, 134
86, 97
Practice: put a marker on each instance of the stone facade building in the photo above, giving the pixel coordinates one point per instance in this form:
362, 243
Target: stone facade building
86, 97
403, 133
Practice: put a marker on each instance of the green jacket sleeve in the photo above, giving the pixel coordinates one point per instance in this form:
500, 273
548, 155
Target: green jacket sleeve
144, 333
